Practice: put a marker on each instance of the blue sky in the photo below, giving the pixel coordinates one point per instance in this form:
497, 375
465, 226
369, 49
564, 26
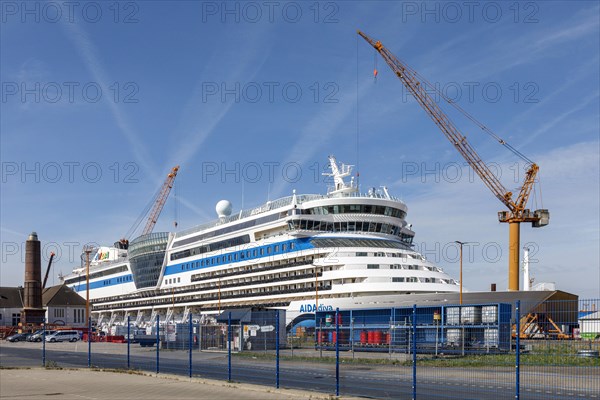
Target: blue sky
100, 101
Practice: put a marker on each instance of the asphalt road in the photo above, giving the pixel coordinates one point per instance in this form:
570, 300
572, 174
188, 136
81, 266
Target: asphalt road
361, 380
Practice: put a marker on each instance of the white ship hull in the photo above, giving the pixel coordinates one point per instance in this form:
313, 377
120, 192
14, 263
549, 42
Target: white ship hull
291, 254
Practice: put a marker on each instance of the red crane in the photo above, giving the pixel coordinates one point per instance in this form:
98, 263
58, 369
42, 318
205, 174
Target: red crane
153, 213
160, 201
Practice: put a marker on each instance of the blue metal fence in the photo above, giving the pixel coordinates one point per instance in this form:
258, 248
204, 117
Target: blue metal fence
521, 351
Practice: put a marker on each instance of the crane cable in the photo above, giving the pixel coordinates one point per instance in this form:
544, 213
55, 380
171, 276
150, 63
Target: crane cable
375, 70
357, 121
469, 116
142, 215
175, 205
482, 126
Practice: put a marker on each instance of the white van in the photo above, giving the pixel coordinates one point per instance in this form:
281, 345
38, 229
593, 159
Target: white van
39, 335
61, 336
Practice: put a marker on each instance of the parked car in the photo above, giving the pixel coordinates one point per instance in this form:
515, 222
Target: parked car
37, 336
61, 336
18, 337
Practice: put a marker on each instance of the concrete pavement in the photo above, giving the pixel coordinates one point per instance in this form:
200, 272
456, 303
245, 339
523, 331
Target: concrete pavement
71, 384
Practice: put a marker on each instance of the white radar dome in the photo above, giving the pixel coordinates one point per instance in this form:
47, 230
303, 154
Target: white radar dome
223, 208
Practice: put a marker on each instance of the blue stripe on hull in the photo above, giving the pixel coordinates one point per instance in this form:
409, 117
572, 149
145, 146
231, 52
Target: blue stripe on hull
252, 253
79, 287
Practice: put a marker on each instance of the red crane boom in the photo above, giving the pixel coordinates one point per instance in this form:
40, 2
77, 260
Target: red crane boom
160, 201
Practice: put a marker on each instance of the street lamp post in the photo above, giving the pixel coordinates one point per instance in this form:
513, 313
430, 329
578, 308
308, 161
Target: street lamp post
87, 284
461, 269
316, 289
460, 294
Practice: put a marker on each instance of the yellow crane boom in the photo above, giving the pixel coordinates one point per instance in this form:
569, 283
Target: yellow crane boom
517, 212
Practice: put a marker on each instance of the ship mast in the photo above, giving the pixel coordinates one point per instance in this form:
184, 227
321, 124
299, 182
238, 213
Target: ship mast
341, 188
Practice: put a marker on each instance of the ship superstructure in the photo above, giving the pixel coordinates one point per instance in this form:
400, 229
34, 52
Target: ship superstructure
109, 275
300, 253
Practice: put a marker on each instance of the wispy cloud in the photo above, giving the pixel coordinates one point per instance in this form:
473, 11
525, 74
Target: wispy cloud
316, 134
585, 23
89, 54
551, 124
507, 47
201, 118
199, 211
12, 232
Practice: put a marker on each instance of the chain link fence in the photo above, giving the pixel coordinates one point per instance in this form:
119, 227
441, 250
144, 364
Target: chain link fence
493, 350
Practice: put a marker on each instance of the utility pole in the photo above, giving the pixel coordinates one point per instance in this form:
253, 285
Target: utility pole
461, 268
316, 289
87, 284
460, 295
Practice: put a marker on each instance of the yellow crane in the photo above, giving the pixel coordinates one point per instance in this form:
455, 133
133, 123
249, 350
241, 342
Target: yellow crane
517, 212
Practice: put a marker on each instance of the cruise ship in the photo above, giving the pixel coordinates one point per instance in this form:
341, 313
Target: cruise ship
300, 253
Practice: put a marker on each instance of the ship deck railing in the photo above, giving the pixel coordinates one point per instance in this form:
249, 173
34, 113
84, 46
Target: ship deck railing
275, 204
224, 296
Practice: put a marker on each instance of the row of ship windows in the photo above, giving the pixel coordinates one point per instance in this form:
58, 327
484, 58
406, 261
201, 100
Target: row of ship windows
220, 245
232, 228
229, 272
409, 267
362, 242
352, 226
424, 280
294, 262
121, 268
382, 254
255, 292
239, 255
122, 279
171, 281
356, 209
261, 279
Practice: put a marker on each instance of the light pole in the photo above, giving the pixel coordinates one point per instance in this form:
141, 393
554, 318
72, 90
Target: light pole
87, 284
460, 295
316, 289
461, 268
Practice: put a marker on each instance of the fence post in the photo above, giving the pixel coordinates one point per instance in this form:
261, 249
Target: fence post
229, 347
157, 343
89, 342
320, 339
44, 344
337, 351
518, 351
128, 342
352, 334
277, 349
414, 352
190, 344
